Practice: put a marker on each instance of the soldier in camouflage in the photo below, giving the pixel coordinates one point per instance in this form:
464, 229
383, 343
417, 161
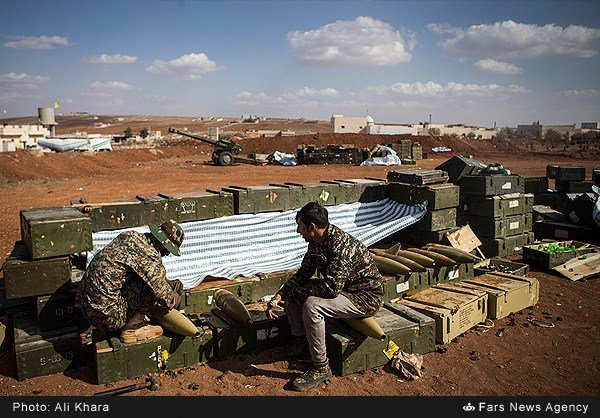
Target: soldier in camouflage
348, 285
126, 280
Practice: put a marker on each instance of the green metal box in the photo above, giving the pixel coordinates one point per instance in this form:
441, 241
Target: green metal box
459, 166
156, 209
565, 231
491, 185
255, 199
500, 206
442, 274
500, 228
24, 277
349, 351
398, 286
232, 338
503, 247
41, 353
421, 238
437, 220
56, 231
568, 186
535, 256
198, 206
417, 177
493, 265
294, 195
551, 198
119, 214
365, 190
536, 184
57, 310
327, 194
565, 172
438, 196
114, 360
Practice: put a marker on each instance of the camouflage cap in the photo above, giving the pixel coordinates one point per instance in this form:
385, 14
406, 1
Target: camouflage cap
170, 235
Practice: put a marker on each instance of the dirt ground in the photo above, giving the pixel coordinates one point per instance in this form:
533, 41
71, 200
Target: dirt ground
525, 360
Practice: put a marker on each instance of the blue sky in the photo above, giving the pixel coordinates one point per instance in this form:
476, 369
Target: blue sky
473, 62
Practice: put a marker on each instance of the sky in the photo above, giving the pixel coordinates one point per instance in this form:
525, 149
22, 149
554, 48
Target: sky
473, 62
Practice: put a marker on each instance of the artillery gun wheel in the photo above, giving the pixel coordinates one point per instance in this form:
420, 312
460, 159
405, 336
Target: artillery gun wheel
225, 159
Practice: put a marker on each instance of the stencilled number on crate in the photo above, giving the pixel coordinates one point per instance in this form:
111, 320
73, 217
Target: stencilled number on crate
263, 334
453, 274
210, 299
507, 185
513, 204
188, 207
464, 316
513, 225
401, 287
56, 358
64, 310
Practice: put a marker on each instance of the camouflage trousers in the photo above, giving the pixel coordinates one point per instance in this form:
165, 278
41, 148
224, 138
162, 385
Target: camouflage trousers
134, 297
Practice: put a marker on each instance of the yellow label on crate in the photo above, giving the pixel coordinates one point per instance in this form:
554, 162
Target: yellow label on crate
392, 348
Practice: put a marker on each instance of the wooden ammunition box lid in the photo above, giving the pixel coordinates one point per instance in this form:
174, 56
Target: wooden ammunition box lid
55, 214
28, 331
446, 297
502, 281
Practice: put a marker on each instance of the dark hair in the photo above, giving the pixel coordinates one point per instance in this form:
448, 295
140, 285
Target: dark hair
314, 213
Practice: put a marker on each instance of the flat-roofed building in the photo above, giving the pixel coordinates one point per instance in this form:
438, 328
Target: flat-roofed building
14, 137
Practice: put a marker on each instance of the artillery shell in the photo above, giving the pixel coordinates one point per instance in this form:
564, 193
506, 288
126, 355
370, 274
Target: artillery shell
440, 259
232, 306
366, 326
389, 266
177, 323
413, 266
417, 258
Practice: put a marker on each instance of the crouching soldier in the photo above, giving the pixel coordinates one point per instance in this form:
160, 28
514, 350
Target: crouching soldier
348, 285
126, 279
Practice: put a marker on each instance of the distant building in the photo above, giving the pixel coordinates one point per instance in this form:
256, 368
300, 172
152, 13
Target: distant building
529, 131
564, 130
14, 137
341, 124
589, 125
391, 130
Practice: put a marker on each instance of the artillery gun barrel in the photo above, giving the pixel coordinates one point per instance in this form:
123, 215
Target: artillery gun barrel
231, 146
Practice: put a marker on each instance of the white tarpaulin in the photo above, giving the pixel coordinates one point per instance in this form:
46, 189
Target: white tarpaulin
267, 242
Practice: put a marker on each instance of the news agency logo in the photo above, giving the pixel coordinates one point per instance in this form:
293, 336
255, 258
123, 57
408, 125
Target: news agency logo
468, 407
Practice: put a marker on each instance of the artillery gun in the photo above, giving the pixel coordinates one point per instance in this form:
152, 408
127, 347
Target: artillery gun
226, 151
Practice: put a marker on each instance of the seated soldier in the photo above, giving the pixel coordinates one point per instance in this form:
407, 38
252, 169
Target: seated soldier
126, 279
348, 285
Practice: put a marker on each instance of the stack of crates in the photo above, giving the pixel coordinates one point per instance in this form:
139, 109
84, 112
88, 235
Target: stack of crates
416, 151
416, 186
498, 211
403, 148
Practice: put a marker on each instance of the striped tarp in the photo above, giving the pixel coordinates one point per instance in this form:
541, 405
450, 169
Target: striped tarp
267, 242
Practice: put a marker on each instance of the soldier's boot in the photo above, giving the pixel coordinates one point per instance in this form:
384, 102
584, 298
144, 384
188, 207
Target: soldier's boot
296, 349
141, 331
317, 374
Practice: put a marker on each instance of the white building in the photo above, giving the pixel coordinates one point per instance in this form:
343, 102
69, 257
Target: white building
391, 130
14, 137
341, 124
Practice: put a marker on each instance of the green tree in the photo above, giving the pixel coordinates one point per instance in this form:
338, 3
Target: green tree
144, 133
471, 135
128, 132
552, 138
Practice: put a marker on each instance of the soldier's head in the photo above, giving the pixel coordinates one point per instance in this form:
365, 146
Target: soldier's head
312, 220
168, 237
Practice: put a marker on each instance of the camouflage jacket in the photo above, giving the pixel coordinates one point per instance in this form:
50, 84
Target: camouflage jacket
343, 266
128, 256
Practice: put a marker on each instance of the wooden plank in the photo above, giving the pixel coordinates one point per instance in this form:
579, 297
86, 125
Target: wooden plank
464, 239
584, 267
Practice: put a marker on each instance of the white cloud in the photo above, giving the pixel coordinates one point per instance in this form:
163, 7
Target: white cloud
188, 67
263, 99
22, 80
578, 93
363, 41
110, 85
6, 96
497, 67
106, 60
35, 42
510, 39
308, 91
451, 89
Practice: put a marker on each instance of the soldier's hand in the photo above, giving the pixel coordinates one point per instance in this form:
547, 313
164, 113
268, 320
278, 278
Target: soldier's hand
271, 305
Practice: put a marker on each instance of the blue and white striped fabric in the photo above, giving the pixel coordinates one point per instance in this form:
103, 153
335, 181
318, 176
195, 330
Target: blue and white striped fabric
267, 242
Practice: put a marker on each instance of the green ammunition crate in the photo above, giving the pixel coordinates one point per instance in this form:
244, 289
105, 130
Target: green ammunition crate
156, 209
56, 231
533, 255
536, 184
500, 228
596, 176
459, 166
551, 199
255, 199
500, 206
41, 353
416, 151
564, 231
420, 238
269, 284
6, 337
349, 351
200, 299
437, 220
443, 274
491, 185
503, 247
114, 360
198, 206
294, 195
108, 216
24, 277
57, 310
9, 306
417, 177
327, 194
438, 196
232, 338
365, 190
580, 210
492, 265
565, 172
398, 286
568, 186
